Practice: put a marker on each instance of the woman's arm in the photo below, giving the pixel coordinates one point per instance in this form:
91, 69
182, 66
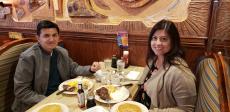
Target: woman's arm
183, 91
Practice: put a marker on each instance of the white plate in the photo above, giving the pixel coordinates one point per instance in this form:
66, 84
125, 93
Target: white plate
75, 80
119, 95
96, 109
63, 107
143, 108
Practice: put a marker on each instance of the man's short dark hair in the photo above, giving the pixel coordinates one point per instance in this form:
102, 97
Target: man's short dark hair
46, 24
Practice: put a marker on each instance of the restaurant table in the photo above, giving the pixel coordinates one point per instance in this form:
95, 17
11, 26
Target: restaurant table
71, 100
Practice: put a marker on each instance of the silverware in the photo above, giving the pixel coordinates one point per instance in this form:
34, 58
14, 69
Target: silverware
127, 84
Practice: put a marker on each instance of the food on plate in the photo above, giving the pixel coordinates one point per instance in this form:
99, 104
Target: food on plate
85, 85
103, 93
111, 88
51, 108
72, 83
69, 88
128, 107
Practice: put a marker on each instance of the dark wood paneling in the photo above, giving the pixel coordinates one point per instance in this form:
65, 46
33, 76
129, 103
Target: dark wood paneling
88, 47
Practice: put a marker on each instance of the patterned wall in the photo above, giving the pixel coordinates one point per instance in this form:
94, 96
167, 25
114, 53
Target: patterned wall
195, 26
79, 36
223, 21
196, 21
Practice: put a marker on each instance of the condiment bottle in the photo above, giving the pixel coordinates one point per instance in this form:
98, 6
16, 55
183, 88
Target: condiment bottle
114, 61
80, 95
90, 102
125, 58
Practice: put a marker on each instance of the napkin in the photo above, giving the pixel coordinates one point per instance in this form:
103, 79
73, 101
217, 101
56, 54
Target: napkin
133, 75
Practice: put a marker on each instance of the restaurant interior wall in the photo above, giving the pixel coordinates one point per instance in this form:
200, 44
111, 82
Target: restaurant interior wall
89, 42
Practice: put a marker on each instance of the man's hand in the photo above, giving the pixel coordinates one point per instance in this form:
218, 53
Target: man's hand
95, 66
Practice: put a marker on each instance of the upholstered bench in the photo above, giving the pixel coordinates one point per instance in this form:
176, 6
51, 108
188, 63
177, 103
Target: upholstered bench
9, 54
212, 95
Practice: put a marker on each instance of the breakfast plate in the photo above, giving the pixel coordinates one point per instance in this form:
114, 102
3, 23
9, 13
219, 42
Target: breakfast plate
52, 107
86, 83
96, 109
116, 94
129, 106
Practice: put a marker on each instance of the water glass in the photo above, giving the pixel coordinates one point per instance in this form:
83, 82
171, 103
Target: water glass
120, 66
115, 79
104, 80
107, 63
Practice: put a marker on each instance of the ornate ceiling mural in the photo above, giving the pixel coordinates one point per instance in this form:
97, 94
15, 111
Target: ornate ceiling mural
101, 12
132, 3
22, 9
80, 8
147, 11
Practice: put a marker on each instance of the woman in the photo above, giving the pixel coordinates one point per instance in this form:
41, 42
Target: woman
170, 83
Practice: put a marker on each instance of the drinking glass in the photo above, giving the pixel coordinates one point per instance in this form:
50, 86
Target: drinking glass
107, 64
104, 80
120, 66
115, 79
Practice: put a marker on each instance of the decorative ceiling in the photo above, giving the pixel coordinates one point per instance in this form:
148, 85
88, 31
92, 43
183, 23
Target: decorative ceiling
147, 11
101, 12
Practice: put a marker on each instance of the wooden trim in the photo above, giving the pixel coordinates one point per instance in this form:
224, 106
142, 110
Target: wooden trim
212, 23
221, 84
140, 39
225, 66
96, 42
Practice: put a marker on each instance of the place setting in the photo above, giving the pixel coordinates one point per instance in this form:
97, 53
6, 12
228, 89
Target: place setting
125, 106
115, 96
52, 107
70, 87
113, 90
107, 91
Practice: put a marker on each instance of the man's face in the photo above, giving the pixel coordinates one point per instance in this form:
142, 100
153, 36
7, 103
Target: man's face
48, 39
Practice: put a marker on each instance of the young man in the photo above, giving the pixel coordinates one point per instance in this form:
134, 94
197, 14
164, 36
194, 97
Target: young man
42, 67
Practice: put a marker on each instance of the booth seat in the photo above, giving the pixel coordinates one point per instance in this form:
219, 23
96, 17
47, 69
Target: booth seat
212, 96
225, 62
9, 54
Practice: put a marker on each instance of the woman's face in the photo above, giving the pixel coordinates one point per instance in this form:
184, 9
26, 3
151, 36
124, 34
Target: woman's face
160, 43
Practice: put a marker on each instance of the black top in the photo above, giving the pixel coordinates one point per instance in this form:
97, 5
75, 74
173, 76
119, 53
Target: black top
54, 76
